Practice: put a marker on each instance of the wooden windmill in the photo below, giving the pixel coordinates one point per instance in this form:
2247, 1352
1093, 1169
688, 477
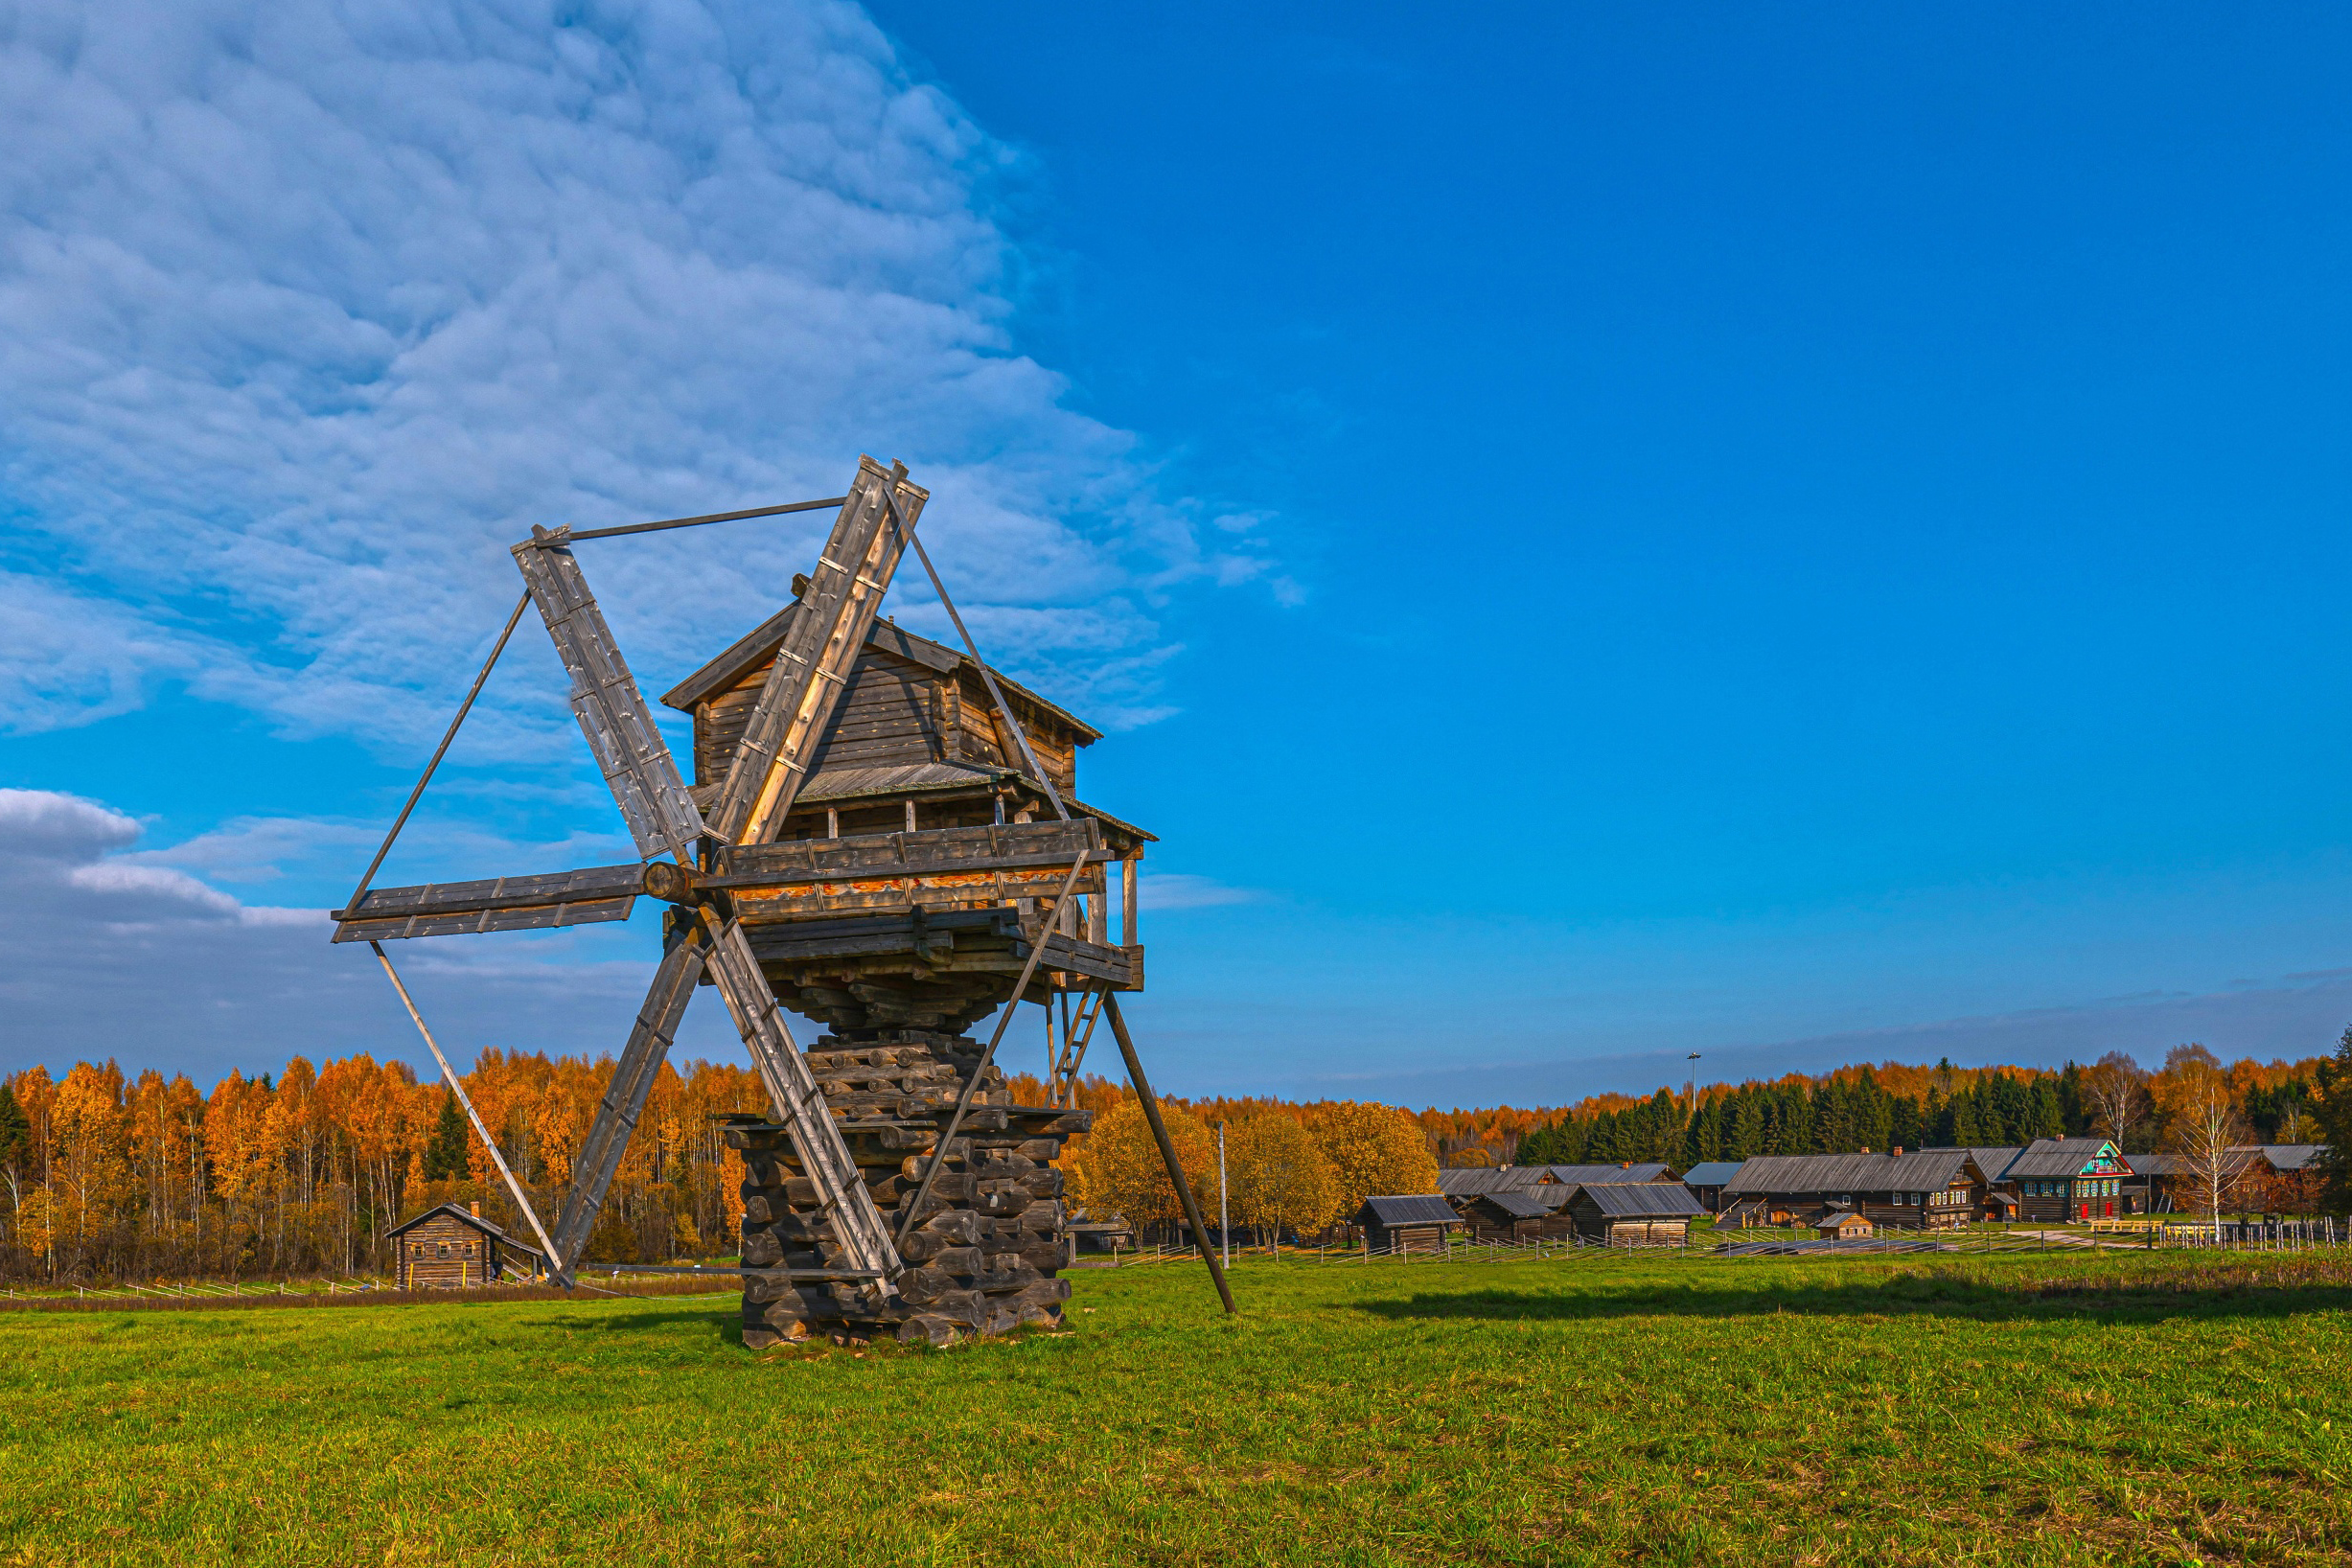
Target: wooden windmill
882, 834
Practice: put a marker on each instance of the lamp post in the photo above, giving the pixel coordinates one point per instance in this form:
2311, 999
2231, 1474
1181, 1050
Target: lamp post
1225, 1229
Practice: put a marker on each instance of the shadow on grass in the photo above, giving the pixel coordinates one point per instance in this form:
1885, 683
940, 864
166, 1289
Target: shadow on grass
728, 1319
2123, 1298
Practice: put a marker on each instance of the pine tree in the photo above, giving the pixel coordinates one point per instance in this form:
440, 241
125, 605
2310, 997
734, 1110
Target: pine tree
1906, 1127
444, 1157
15, 1130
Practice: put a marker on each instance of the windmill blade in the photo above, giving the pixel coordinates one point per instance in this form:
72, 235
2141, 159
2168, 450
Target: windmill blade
637, 764
452, 908
842, 1196
812, 664
632, 1080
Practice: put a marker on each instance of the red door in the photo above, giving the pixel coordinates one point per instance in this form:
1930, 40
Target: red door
2111, 1208
2087, 1211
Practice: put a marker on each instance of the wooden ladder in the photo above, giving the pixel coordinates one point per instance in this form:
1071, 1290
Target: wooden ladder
1077, 1031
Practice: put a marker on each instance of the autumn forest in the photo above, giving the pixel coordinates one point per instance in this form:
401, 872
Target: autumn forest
300, 1171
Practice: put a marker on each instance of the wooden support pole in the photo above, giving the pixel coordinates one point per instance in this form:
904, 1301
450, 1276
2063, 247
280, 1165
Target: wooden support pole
1168, 1147
1127, 891
554, 1259
439, 751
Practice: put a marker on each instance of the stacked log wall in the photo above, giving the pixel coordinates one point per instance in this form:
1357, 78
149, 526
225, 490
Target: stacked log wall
989, 1241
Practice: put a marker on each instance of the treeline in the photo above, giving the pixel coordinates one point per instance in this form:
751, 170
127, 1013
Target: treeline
303, 1171
1856, 1108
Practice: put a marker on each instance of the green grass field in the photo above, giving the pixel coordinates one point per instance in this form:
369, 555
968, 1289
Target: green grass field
2062, 1409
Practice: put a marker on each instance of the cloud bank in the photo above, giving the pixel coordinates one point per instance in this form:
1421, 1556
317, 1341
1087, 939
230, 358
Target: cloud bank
308, 311
114, 952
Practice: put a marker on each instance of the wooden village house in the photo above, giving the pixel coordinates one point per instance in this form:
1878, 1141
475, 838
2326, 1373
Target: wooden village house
449, 1248
1926, 1190
1707, 1180
2067, 1180
1407, 1224
1506, 1217
1842, 1225
1653, 1213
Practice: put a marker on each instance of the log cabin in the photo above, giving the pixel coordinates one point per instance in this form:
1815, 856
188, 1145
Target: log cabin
1841, 1225
1407, 1223
1505, 1216
1707, 1180
1926, 1190
1654, 1213
2069, 1180
449, 1248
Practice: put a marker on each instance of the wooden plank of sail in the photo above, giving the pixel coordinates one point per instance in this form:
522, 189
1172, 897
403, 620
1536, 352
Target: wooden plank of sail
812, 662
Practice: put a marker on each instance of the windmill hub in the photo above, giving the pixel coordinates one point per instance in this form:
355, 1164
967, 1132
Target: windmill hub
882, 834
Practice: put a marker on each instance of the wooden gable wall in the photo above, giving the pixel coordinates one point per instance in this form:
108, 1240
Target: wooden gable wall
895, 713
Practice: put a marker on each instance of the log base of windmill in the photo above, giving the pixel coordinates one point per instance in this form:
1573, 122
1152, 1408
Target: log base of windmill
989, 1241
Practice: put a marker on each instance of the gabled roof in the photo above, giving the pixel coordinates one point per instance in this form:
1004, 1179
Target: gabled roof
758, 645
2063, 1157
1389, 1212
1712, 1172
1994, 1160
468, 1217
1472, 1179
1922, 1171
1640, 1199
1516, 1205
2290, 1156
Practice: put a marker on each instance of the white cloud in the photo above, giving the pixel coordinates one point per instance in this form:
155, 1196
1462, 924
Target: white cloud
113, 954
1181, 891
308, 311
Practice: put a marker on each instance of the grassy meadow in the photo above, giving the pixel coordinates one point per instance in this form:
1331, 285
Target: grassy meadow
2030, 1409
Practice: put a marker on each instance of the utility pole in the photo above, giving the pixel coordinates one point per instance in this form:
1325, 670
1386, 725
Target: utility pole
1694, 1100
1225, 1229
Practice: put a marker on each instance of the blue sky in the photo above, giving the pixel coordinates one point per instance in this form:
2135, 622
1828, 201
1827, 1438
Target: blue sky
1794, 536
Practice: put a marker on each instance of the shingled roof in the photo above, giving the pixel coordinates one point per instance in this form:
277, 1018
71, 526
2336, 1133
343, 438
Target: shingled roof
2063, 1157
1640, 1199
1471, 1180
1925, 1171
1390, 1213
1516, 1205
757, 646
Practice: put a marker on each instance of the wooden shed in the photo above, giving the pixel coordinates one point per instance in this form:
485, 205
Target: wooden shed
449, 1248
1626, 1213
1506, 1217
1842, 1225
1414, 1224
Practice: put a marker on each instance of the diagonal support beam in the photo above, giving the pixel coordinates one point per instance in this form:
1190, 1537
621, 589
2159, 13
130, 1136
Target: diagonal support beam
1048, 917
1167, 1147
448, 1073
812, 665
633, 1081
